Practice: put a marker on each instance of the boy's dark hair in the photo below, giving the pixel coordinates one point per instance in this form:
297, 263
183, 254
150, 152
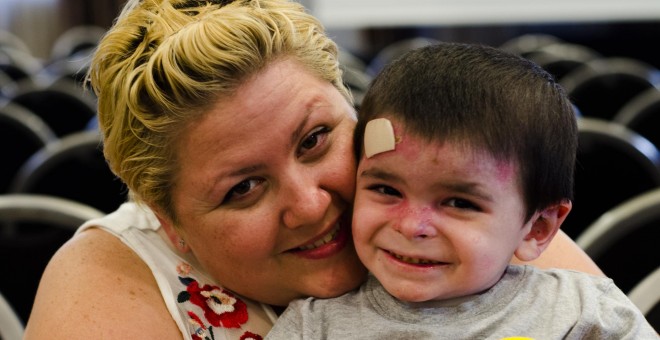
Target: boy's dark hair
483, 98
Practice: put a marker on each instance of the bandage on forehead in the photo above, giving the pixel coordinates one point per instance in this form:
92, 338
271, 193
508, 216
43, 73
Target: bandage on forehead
378, 137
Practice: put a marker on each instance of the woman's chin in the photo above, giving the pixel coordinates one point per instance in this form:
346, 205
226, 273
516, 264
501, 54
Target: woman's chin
340, 282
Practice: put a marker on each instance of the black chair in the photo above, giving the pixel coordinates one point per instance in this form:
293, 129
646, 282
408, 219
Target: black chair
63, 105
355, 76
11, 327
7, 86
527, 44
19, 65
601, 87
646, 296
642, 115
9, 39
624, 240
76, 39
33, 228
73, 168
613, 164
349, 60
22, 133
395, 50
73, 68
560, 59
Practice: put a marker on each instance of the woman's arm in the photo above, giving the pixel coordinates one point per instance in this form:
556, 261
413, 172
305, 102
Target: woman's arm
95, 287
564, 253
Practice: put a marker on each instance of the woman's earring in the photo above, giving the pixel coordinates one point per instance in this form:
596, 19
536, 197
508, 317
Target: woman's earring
182, 244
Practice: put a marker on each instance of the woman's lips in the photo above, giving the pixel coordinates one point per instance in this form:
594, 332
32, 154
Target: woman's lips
328, 245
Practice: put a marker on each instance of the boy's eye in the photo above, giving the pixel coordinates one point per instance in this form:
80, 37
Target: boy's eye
461, 204
385, 190
242, 189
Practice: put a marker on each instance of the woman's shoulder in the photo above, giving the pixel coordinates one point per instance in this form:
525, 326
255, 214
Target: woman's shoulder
95, 286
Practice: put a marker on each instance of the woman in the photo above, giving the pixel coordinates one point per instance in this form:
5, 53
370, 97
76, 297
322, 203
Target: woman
230, 124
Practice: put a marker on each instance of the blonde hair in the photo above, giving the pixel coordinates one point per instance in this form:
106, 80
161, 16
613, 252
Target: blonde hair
165, 62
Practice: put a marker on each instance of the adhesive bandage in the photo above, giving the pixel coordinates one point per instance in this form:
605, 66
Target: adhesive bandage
378, 137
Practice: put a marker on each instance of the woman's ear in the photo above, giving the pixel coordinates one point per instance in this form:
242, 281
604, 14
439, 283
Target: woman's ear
545, 225
170, 230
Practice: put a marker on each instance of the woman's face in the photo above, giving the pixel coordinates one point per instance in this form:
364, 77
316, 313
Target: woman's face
265, 188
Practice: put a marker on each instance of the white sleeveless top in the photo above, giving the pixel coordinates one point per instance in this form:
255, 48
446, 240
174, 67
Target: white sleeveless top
201, 308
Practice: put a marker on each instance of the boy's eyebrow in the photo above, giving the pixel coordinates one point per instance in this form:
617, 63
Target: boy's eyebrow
463, 187
379, 174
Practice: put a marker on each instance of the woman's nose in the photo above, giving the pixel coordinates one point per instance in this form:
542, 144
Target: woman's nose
415, 224
305, 202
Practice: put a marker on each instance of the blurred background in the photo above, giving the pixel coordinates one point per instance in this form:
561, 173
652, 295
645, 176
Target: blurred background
603, 52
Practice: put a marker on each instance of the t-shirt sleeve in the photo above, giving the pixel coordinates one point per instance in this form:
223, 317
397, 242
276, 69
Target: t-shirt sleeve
616, 317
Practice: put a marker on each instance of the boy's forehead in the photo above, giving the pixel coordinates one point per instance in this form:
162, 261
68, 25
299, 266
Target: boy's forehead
389, 134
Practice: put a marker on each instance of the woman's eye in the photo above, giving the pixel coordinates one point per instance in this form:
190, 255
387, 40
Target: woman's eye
314, 139
242, 189
461, 204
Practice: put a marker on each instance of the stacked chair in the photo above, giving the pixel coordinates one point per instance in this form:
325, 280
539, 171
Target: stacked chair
616, 208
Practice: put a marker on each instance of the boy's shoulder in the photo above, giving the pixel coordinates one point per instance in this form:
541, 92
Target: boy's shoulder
567, 281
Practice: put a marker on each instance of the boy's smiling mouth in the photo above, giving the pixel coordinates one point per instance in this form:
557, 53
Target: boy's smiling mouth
413, 260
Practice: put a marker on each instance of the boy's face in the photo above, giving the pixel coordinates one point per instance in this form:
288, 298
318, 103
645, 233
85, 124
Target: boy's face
433, 221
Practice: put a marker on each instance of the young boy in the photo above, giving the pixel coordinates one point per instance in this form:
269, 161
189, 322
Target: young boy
466, 159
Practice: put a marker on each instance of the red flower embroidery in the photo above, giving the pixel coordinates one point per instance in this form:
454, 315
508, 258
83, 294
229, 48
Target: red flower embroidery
200, 329
251, 336
221, 308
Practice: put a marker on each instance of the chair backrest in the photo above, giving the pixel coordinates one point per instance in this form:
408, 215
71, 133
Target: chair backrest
33, 227
624, 240
74, 168
19, 64
76, 39
11, 327
601, 87
613, 164
560, 59
646, 296
7, 86
22, 133
526, 44
642, 115
9, 39
63, 105
395, 50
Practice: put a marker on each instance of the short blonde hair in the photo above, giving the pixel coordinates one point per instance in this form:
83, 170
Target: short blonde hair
165, 62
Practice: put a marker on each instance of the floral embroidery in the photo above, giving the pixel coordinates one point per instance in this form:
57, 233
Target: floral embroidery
183, 269
221, 308
211, 306
200, 329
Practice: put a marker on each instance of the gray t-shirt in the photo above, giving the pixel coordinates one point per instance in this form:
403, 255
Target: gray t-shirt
526, 302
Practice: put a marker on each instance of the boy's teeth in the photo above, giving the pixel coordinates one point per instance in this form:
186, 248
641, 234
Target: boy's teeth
412, 260
327, 238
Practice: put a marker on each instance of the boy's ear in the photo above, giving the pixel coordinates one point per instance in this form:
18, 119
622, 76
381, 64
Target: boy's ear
544, 227
170, 230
